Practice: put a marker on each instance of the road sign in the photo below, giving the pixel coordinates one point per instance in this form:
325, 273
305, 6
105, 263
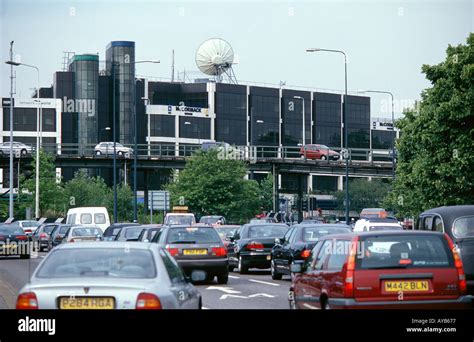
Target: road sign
159, 200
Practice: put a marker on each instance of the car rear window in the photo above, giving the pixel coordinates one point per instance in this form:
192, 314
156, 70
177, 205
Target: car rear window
382, 228
463, 227
99, 263
48, 229
63, 229
267, 231
132, 233
403, 251
29, 224
193, 235
86, 232
312, 234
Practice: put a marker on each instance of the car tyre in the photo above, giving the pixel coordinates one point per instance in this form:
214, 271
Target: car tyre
223, 278
274, 272
241, 267
323, 157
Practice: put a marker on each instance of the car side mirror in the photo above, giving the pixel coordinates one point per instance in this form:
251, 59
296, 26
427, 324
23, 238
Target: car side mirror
197, 276
296, 268
279, 241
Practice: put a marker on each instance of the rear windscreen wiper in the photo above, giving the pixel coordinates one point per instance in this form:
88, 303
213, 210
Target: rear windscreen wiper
184, 241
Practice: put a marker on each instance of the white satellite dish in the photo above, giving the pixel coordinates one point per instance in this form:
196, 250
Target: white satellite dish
214, 57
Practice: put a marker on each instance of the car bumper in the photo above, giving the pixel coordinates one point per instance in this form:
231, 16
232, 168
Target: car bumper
463, 302
256, 259
210, 266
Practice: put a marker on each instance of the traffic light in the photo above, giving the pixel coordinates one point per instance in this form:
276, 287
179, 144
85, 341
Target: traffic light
304, 204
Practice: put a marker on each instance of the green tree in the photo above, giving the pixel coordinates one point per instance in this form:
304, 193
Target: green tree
435, 151
363, 194
124, 203
51, 194
215, 186
266, 193
86, 191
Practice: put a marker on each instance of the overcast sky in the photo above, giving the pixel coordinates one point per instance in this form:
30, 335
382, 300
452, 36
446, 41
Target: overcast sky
386, 41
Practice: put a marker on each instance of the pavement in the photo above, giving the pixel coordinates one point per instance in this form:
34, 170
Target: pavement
255, 290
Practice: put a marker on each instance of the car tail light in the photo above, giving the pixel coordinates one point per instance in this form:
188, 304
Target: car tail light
255, 245
349, 279
173, 251
219, 251
43, 236
147, 301
459, 266
27, 301
27, 230
22, 237
305, 253
72, 240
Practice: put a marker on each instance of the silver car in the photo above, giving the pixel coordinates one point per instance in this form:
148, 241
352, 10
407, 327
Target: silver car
107, 148
110, 275
18, 148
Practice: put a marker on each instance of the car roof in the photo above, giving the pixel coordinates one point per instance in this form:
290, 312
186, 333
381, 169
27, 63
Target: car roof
199, 225
382, 233
450, 213
322, 225
106, 244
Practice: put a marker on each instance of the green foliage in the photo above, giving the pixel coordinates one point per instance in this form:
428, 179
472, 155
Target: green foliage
85, 191
435, 151
214, 186
124, 203
266, 193
363, 194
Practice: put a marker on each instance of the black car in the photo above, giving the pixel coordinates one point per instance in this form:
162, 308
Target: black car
458, 222
197, 247
112, 230
149, 233
14, 241
57, 235
251, 245
297, 244
132, 233
42, 236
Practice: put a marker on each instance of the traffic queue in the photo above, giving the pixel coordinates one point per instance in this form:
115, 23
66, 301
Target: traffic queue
372, 264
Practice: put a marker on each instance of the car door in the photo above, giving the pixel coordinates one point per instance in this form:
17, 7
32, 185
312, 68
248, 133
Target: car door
277, 252
287, 252
331, 273
184, 292
231, 252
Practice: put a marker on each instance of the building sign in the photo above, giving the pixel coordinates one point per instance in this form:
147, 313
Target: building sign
6, 102
382, 125
179, 110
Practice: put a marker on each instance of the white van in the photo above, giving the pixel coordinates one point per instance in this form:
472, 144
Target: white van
89, 216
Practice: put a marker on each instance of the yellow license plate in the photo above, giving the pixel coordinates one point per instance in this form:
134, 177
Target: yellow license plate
407, 286
86, 303
195, 252
269, 257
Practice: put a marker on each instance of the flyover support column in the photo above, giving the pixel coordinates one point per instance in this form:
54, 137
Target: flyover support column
276, 195
300, 197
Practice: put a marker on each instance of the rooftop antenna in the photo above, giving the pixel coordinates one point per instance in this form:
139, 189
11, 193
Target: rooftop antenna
172, 66
215, 57
66, 57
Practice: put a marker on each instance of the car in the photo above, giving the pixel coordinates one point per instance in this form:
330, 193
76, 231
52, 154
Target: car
226, 231
365, 225
297, 244
316, 220
42, 236
28, 226
132, 233
111, 231
82, 234
179, 218
419, 270
89, 216
18, 148
373, 213
107, 148
212, 219
14, 242
57, 235
458, 222
196, 247
317, 151
147, 235
263, 220
109, 275
252, 244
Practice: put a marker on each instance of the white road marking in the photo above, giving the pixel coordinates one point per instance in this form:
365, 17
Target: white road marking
264, 282
223, 289
261, 295
234, 277
232, 296
309, 306
204, 308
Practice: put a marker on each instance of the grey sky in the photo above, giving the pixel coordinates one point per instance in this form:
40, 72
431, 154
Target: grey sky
386, 41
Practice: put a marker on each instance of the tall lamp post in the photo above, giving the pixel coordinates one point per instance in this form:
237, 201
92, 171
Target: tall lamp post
346, 143
37, 190
304, 126
392, 145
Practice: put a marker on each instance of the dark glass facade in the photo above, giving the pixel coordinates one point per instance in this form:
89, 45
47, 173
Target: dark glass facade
264, 125
358, 121
194, 128
231, 114
25, 119
292, 118
324, 184
327, 119
163, 93
382, 139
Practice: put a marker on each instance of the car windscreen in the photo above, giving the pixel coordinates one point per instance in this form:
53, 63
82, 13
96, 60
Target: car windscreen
29, 224
463, 227
63, 229
312, 234
381, 228
180, 219
11, 230
132, 233
98, 262
48, 229
86, 231
403, 251
209, 219
266, 231
193, 235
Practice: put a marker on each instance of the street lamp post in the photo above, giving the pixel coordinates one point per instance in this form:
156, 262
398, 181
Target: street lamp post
304, 126
38, 123
346, 143
102, 130
392, 145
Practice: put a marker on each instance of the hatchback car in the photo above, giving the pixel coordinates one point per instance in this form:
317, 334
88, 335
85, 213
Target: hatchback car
57, 235
131, 233
42, 236
107, 148
458, 223
212, 219
297, 244
82, 234
13, 242
18, 148
315, 151
109, 275
148, 234
381, 270
252, 244
197, 247
111, 232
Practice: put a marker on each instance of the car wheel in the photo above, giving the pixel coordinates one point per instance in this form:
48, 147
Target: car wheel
23, 152
323, 157
98, 153
231, 268
326, 305
274, 272
223, 278
241, 267
291, 300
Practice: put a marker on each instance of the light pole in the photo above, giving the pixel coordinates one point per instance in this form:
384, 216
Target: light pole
304, 126
37, 190
392, 145
346, 143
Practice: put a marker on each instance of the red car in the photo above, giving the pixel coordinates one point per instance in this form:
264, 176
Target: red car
315, 151
381, 270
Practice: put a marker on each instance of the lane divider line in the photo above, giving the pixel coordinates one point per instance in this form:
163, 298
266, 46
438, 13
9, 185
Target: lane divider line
234, 277
263, 282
